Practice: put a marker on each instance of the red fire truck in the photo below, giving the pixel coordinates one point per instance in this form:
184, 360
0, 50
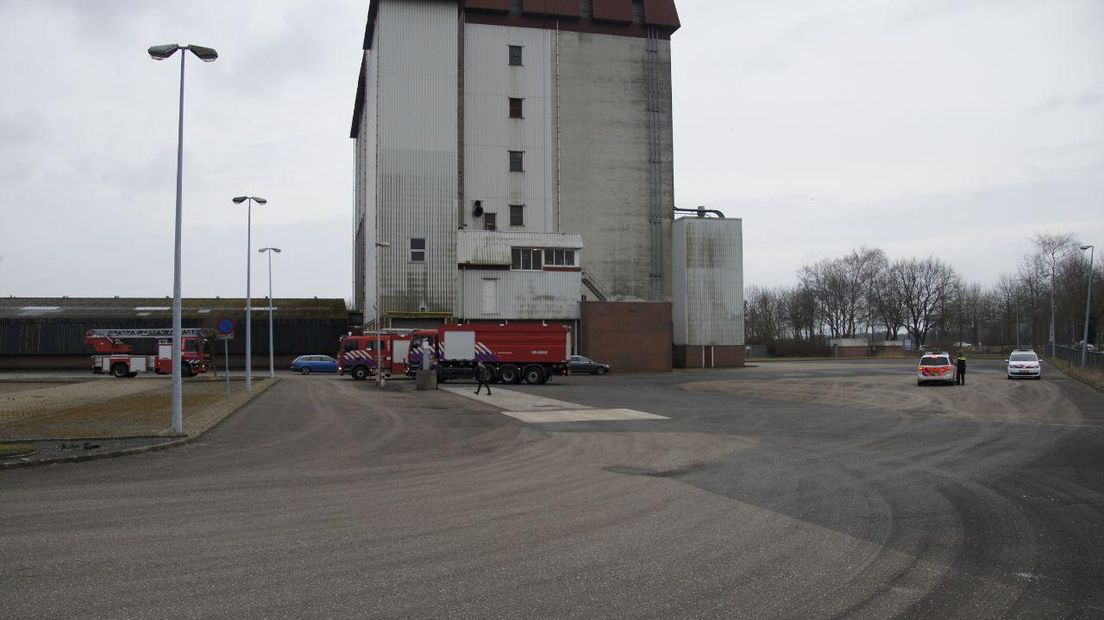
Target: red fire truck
356, 355
118, 358
534, 352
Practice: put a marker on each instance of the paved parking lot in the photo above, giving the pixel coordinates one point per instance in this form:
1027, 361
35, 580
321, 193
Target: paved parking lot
812, 489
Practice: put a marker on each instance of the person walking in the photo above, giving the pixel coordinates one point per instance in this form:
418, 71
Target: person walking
483, 376
960, 378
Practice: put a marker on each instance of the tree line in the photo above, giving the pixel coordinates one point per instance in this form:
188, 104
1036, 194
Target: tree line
926, 300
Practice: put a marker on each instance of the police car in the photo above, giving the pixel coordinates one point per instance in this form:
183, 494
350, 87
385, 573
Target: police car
936, 368
1024, 363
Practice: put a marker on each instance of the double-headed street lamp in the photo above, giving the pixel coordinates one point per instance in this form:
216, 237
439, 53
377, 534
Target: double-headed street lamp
379, 326
271, 310
206, 54
1088, 302
248, 300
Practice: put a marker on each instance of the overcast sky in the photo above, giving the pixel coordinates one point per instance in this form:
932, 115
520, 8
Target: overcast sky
950, 127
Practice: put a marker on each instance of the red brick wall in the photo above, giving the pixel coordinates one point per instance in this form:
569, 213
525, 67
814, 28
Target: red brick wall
717, 356
851, 352
631, 336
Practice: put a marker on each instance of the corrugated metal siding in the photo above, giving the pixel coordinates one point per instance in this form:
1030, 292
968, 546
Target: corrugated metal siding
416, 45
523, 294
367, 185
300, 326
66, 336
477, 247
489, 132
678, 282
712, 282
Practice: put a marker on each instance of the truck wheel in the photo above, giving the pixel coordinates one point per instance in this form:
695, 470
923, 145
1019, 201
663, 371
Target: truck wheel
186, 370
119, 370
534, 375
360, 373
509, 374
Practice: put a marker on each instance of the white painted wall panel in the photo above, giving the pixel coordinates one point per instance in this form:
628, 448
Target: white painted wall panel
489, 133
533, 295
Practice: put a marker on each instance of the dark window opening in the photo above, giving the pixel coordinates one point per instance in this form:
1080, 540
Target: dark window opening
515, 55
517, 215
517, 161
525, 259
560, 258
515, 107
417, 249
489, 221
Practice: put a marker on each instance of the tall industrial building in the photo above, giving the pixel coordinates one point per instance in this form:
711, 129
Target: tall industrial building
513, 158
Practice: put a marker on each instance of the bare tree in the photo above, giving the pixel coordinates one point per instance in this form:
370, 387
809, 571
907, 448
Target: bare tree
1034, 278
923, 286
885, 302
763, 319
1051, 247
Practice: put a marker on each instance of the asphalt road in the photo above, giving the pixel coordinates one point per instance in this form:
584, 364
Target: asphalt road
786, 490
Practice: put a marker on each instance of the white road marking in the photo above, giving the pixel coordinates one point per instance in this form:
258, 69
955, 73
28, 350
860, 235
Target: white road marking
540, 410
582, 415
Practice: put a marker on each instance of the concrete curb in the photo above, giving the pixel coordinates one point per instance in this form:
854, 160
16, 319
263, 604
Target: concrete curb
218, 419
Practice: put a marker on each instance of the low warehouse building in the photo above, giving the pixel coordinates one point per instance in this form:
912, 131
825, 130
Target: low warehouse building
48, 332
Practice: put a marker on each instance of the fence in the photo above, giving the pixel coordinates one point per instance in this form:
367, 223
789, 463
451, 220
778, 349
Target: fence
1094, 359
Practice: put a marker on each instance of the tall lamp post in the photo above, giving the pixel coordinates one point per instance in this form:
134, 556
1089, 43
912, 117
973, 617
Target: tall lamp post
379, 339
1088, 303
248, 299
271, 310
206, 54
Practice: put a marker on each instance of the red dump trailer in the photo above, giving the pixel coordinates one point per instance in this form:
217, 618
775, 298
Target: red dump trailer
533, 352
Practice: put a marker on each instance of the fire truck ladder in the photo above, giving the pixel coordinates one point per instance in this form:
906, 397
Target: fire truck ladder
146, 333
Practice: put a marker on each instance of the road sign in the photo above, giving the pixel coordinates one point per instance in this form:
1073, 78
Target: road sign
225, 327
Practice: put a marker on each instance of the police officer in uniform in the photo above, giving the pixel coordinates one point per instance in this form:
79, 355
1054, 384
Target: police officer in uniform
961, 363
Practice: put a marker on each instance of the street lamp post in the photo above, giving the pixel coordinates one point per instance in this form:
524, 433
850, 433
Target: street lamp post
248, 299
206, 54
1088, 303
379, 339
271, 310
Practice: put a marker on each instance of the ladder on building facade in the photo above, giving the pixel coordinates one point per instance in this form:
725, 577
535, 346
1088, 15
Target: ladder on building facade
594, 285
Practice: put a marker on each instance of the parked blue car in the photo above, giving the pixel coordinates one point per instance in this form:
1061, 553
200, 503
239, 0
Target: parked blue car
306, 364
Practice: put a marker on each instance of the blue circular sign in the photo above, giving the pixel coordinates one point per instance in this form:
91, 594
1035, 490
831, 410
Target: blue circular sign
225, 326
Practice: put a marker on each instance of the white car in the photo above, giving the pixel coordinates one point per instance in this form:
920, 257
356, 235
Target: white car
1024, 364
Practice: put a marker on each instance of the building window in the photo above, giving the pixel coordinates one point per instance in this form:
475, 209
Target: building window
517, 161
560, 258
517, 215
417, 249
637, 11
490, 221
515, 55
525, 259
515, 107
